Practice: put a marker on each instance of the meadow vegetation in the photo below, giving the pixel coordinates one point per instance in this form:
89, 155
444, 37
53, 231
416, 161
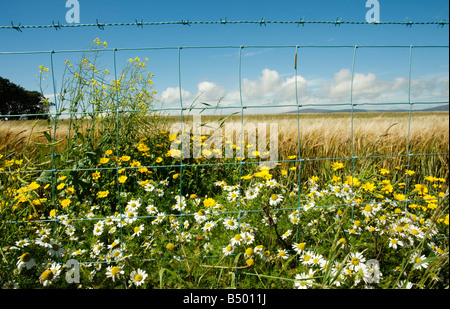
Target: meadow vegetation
360, 204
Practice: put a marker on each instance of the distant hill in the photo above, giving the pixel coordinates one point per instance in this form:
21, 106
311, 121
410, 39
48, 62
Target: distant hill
441, 108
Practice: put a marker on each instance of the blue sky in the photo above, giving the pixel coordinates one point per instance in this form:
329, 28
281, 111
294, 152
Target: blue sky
268, 75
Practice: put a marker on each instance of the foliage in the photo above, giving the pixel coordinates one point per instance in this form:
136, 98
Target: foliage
15, 100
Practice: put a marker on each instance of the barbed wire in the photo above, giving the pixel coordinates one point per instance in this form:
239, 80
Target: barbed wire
187, 22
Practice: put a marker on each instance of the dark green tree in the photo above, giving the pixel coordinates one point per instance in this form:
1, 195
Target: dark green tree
15, 100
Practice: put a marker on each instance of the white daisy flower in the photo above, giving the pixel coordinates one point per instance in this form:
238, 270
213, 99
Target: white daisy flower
275, 199
25, 260
137, 277
230, 223
114, 272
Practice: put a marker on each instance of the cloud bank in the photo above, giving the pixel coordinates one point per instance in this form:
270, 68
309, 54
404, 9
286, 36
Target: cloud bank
271, 88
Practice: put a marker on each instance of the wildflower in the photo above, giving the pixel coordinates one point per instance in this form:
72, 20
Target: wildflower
394, 242
228, 250
230, 223
55, 250
46, 278
249, 252
271, 183
102, 194
356, 261
98, 230
209, 202
208, 226
248, 238
65, 203
138, 277
368, 210
23, 243
114, 272
78, 252
369, 186
299, 247
103, 160
283, 254
422, 189
236, 240
352, 181
138, 230
409, 173
286, 234
419, 261
10, 285
275, 199
384, 171
122, 179
159, 218
306, 257
304, 280
403, 284
232, 196
387, 187
96, 175
25, 260
337, 166
251, 193
170, 247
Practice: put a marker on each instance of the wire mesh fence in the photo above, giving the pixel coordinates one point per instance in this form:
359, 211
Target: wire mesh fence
112, 177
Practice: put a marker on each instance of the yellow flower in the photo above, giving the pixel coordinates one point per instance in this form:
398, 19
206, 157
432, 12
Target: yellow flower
410, 173
125, 158
422, 189
368, 186
384, 171
104, 160
122, 179
314, 179
61, 186
102, 194
96, 175
66, 202
353, 181
159, 160
399, 197
34, 185
170, 247
209, 202
53, 212
108, 152
446, 219
70, 191
337, 166
175, 176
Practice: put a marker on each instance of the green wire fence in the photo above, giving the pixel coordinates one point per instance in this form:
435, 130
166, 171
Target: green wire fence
242, 106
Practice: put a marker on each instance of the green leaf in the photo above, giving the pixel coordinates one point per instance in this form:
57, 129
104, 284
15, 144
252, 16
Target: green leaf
45, 177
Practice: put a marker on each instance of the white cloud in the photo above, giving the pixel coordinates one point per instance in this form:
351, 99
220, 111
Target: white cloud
209, 91
171, 95
271, 88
